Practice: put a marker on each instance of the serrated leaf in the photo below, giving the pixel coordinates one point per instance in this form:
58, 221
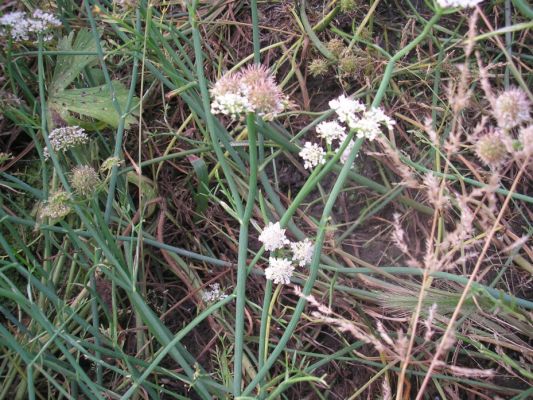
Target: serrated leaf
68, 67
94, 103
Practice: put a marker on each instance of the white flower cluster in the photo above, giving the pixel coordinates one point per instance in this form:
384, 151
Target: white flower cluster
458, 3
231, 104
215, 294
66, 138
312, 154
367, 123
280, 269
21, 27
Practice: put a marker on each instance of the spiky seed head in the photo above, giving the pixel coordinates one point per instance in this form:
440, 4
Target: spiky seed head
491, 150
228, 83
511, 108
348, 63
57, 205
318, 67
348, 5
263, 93
336, 47
84, 180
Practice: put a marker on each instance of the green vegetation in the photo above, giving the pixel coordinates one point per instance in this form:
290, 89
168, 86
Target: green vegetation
266, 200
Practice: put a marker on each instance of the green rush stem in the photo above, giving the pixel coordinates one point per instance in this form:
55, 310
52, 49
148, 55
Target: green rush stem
263, 339
116, 105
524, 8
343, 175
255, 32
211, 126
387, 75
240, 290
177, 338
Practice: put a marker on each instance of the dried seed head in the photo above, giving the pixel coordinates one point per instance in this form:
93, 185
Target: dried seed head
511, 108
57, 205
318, 67
336, 47
491, 150
84, 179
526, 141
348, 63
264, 94
348, 5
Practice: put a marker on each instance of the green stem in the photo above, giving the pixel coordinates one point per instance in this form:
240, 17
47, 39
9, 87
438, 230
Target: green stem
211, 126
240, 290
255, 32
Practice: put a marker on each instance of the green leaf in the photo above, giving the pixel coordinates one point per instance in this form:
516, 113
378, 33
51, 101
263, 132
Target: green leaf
90, 108
201, 197
69, 67
95, 103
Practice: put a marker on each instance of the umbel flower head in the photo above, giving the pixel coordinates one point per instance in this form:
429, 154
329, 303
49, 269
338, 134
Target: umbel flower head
65, 138
21, 27
273, 237
330, 131
511, 108
302, 251
279, 270
84, 180
491, 149
252, 90
312, 154
57, 205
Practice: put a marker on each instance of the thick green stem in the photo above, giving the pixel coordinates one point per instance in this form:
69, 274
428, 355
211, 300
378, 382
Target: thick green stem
240, 290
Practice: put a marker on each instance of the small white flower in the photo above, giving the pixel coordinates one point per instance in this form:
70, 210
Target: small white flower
378, 115
279, 270
215, 294
458, 3
369, 126
330, 131
19, 26
302, 252
346, 109
65, 138
312, 154
273, 237
232, 104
